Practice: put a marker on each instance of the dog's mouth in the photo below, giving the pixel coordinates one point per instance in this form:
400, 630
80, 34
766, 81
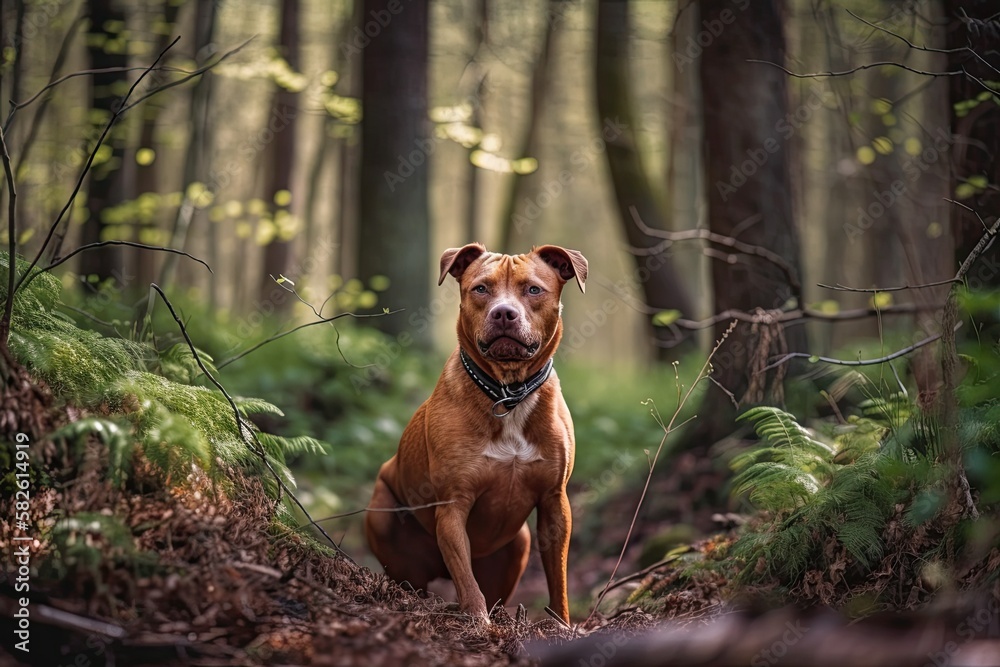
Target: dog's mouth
505, 348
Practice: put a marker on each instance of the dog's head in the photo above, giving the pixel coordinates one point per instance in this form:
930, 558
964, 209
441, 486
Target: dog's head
511, 309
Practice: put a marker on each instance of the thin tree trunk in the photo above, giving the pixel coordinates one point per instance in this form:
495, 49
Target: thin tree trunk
663, 289
277, 253
108, 182
749, 196
975, 151
394, 236
143, 264
512, 222
195, 160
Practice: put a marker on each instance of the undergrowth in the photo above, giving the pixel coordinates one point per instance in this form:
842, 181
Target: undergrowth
120, 382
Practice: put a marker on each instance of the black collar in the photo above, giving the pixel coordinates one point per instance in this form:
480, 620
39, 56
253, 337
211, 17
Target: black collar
507, 395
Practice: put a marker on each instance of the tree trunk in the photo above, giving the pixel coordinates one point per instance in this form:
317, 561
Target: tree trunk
148, 177
394, 236
975, 129
512, 222
108, 184
196, 154
749, 196
277, 253
662, 289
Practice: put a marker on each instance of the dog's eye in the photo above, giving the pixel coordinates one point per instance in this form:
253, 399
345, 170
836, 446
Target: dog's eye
479, 289
534, 290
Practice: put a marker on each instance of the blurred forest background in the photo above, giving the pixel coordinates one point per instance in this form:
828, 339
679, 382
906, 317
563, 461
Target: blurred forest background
319, 156
349, 142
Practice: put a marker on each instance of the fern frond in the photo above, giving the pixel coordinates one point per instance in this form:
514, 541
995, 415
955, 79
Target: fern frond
118, 440
781, 429
775, 486
294, 445
250, 405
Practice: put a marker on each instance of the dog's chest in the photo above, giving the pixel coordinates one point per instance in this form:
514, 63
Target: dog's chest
511, 445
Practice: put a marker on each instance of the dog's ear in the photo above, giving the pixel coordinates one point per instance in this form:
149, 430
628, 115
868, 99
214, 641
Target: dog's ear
456, 260
567, 263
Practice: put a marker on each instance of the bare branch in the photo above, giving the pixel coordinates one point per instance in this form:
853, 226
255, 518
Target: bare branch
858, 362
191, 75
970, 210
962, 49
8, 306
325, 320
17, 106
383, 509
816, 75
130, 244
667, 430
36, 118
872, 290
90, 160
245, 430
719, 239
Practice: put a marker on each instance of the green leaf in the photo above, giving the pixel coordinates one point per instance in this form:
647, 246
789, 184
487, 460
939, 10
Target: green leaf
665, 318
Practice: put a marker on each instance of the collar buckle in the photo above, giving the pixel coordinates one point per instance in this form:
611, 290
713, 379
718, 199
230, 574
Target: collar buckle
507, 395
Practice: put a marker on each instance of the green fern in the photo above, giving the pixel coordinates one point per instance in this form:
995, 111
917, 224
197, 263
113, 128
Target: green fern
116, 437
797, 478
177, 424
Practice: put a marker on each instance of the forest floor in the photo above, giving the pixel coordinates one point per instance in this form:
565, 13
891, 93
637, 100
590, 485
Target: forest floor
201, 575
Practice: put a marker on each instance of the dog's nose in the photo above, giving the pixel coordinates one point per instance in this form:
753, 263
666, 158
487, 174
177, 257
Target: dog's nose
504, 313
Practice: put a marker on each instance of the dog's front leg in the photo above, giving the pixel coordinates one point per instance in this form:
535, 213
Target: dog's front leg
554, 526
453, 541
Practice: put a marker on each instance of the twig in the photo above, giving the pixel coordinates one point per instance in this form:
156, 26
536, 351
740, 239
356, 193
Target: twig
246, 431
858, 362
970, 210
872, 290
385, 509
68, 621
17, 106
732, 397
325, 320
99, 244
667, 430
815, 75
194, 73
8, 306
928, 49
90, 160
643, 572
720, 239
36, 118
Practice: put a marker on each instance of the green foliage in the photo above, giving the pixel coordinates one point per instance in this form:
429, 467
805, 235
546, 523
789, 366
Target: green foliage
796, 478
92, 542
113, 435
176, 423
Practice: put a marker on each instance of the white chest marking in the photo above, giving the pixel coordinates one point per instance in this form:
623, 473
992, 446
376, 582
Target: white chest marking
511, 445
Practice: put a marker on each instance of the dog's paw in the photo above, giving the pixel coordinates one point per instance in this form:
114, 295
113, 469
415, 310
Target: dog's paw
476, 608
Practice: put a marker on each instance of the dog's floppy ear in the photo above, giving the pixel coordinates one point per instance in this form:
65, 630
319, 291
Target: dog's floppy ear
567, 263
456, 260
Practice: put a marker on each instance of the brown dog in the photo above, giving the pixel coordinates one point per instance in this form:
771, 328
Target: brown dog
493, 442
